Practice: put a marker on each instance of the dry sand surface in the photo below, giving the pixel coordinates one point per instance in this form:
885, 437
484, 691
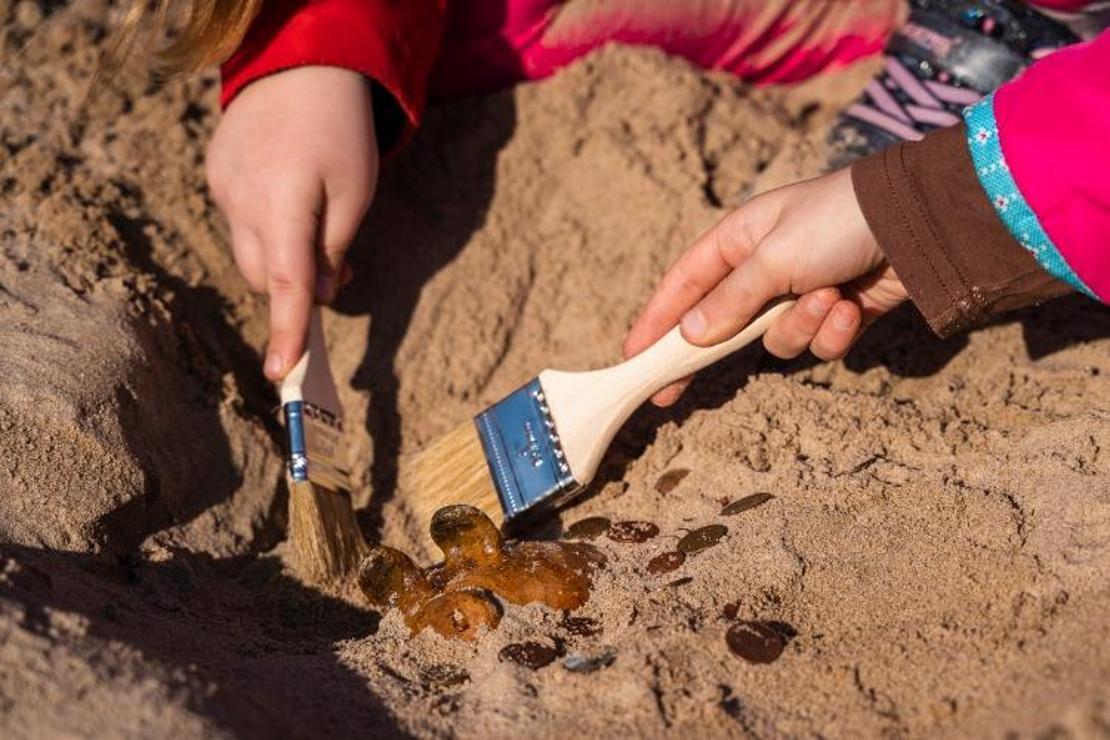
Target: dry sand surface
938, 541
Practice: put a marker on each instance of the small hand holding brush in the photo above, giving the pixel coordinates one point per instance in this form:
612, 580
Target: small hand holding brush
325, 535
542, 444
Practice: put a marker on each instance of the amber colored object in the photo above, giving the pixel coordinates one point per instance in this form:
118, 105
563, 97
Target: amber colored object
702, 538
757, 642
632, 532
390, 579
456, 597
748, 502
588, 529
666, 562
670, 480
532, 655
581, 626
443, 676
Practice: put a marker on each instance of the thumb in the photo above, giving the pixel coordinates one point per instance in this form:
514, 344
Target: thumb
729, 307
290, 280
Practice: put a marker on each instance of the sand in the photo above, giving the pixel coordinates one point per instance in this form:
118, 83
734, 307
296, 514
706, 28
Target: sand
938, 539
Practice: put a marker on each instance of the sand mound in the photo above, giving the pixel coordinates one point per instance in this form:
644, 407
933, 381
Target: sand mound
935, 550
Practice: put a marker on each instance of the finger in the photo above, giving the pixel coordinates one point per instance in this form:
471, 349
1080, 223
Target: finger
329, 266
730, 306
700, 268
838, 331
290, 281
670, 395
876, 293
339, 224
691, 277
793, 332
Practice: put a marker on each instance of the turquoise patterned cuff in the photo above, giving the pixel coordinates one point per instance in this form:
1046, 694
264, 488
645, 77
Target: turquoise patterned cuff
1002, 190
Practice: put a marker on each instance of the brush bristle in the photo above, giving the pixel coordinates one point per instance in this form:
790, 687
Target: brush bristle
452, 470
327, 542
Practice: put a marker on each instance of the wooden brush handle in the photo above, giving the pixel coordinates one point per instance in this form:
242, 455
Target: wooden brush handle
673, 358
590, 407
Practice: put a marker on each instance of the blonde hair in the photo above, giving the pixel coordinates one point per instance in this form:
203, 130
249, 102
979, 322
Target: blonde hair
212, 30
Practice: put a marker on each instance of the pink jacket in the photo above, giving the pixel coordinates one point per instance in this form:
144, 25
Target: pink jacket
1041, 148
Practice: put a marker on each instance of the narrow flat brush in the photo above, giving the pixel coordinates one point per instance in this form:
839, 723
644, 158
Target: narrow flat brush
326, 539
542, 444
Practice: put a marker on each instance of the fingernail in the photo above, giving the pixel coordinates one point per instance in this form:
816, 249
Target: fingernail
323, 289
273, 364
817, 306
693, 323
843, 319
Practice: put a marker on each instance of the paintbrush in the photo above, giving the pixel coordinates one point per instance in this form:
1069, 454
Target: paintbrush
542, 444
325, 535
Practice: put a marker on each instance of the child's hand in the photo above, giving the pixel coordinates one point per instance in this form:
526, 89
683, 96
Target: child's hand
809, 239
293, 166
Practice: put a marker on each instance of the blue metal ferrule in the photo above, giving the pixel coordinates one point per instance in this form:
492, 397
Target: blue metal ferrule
524, 454
295, 439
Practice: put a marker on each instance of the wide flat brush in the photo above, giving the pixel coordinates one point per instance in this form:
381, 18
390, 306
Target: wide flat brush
327, 542
542, 444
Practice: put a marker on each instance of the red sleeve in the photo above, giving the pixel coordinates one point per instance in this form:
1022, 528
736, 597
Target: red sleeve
393, 43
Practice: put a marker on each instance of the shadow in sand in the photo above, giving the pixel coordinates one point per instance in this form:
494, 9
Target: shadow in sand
262, 642
904, 344
430, 200
173, 427
901, 342
436, 194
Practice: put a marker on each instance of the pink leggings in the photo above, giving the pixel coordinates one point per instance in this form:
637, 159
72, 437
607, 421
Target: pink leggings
491, 44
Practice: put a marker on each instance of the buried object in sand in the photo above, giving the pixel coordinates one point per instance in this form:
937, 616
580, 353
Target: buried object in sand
532, 655
758, 641
633, 532
459, 596
588, 529
748, 502
701, 538
670, 480
327, 542
542, 444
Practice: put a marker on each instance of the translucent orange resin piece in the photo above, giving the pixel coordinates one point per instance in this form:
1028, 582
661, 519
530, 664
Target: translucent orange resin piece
455, 598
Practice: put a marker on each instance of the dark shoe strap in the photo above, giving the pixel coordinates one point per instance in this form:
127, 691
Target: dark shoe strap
949, 54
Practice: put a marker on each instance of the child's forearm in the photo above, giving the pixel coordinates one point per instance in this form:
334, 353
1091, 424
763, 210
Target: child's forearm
1011, 208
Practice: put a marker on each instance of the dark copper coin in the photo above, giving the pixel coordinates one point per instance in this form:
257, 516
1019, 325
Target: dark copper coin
666, 562
632, 531
439, 677
702, 538
670, 480
581, 626
528, 654
748, 502
587, 529
755, 642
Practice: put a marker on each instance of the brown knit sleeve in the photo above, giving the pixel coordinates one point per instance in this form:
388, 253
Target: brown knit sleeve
942, 236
